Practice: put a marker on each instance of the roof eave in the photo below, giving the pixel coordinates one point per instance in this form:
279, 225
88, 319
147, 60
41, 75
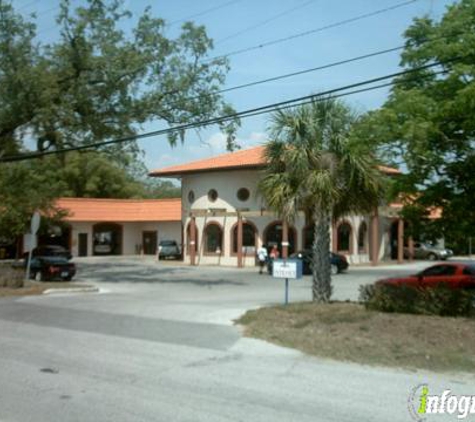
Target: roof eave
179, 174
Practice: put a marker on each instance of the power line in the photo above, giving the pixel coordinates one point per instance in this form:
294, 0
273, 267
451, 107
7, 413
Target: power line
314, 31
264, 22
313, 69
205, 12
335, 92
31, 3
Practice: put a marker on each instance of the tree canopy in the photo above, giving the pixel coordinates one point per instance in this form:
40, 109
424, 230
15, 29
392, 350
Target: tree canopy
96, 82
427, 125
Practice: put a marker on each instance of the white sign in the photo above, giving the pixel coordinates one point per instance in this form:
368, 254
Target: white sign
35, 222
281, 269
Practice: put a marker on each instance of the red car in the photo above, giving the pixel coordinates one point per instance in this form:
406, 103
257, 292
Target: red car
454, 275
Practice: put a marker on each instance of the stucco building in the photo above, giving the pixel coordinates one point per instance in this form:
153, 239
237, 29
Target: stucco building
225, 219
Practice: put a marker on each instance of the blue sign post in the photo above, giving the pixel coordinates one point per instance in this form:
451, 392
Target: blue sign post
290, 268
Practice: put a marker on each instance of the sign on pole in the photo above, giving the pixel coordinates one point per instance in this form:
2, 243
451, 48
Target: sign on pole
286, 268
34, 226
35, 222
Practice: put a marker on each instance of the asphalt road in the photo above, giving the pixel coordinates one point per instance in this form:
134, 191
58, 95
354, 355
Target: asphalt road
158, 344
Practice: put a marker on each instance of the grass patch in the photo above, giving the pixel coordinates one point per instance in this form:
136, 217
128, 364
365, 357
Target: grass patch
349, 332
37, 288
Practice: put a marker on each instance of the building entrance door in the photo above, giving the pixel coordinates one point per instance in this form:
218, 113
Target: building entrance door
82, 244
149, 242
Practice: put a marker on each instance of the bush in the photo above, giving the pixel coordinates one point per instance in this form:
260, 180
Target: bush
12, 277
439, 300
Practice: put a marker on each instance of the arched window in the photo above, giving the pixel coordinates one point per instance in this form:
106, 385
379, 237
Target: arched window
344, 238
308, 236
188, 239
273, 236
249, 234
213, 239
363, 238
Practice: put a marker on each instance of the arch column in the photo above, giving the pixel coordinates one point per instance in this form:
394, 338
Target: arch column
400, 241
192, 240
285, 239
375, 238
239, 242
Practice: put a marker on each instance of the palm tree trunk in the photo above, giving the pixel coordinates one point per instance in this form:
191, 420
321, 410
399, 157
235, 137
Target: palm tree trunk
321, 287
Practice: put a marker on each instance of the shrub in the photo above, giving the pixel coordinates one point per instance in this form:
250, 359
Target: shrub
438, 300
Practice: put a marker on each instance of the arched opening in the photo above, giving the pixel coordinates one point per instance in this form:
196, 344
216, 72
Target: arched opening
363, 238
213, 236
107, 239
249, 239
343, 238
273, 236
188, 239
307, 234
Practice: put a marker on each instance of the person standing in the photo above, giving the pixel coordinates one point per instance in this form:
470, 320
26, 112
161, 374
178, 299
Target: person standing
274, 253
262, 258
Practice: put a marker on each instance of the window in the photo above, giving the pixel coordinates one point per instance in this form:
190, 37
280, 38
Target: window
439, 270
214, 239
273, 236
308, 237
248, 238
212, 195
344, 237
243, 194
362, 237
191, 196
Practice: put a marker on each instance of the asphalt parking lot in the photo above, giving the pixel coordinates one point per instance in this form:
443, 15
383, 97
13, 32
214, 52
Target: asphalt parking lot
215, 294
158, 344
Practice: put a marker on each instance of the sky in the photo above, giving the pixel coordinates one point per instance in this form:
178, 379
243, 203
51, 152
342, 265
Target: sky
240, 24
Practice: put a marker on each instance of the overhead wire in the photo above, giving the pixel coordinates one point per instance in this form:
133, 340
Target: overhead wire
204, 12
264, 22
313, 31
335, 92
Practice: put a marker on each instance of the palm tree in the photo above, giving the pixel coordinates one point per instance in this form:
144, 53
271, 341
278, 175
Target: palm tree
315, 166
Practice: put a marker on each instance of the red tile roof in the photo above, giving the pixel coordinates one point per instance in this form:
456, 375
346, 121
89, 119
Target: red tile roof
120, 210
242, 159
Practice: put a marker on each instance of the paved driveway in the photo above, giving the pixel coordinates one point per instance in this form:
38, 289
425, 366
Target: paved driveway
159, 345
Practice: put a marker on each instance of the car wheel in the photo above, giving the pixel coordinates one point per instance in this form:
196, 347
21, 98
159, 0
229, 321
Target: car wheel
334, 269
432, 257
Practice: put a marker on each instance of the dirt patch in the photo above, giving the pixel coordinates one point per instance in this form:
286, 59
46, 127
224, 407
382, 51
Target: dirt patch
348, 332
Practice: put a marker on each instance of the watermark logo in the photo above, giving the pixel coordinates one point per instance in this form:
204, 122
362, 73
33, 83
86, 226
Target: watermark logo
422, 404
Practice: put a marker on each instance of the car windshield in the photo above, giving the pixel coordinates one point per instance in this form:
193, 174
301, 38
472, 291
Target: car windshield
168, 243
55, 260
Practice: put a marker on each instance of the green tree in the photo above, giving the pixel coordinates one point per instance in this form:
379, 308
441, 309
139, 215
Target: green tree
427, 125
316, 167
17, 205
98, 83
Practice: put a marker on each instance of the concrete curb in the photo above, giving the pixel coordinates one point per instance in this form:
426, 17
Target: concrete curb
72, 290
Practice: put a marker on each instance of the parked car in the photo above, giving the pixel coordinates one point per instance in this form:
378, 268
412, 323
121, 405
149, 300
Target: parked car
50, 250
168, 249
49, 268
338, 262
454, 275
428, 251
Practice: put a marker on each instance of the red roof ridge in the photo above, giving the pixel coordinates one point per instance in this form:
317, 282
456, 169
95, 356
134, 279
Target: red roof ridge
86, 199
